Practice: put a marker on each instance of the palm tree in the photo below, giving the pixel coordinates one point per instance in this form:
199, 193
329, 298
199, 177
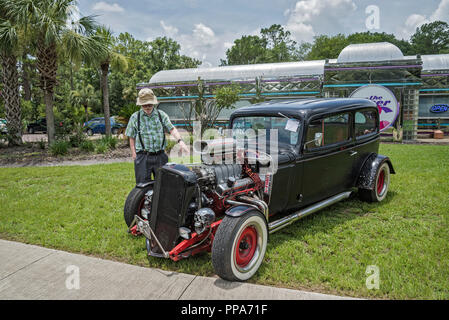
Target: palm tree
110, 58
84, 96
57, 33
10, 39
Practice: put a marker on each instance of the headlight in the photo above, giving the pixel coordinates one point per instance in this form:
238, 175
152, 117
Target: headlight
204, 217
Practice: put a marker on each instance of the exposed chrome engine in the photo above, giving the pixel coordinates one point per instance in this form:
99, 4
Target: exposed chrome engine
187, 200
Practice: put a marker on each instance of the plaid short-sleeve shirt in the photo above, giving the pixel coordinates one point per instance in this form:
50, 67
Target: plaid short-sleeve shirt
151, 130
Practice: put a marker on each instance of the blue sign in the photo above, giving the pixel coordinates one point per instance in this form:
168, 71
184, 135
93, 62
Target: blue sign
438, 108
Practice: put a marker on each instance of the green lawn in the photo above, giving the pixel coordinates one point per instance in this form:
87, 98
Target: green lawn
80, 209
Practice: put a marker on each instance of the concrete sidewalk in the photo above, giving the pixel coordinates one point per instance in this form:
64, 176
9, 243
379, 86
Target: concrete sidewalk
32, 272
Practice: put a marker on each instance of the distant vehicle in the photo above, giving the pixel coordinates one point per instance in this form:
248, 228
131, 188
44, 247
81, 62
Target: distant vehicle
3, 128
97, 125
40, 126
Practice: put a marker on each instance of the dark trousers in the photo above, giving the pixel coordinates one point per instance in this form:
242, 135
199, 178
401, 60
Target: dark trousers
146, 164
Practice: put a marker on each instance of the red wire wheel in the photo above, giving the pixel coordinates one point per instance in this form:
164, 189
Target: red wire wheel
381, 185
246, 246
381, 182
239, 246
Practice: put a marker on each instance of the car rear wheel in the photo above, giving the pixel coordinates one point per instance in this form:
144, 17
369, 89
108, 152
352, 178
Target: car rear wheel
239, 246
30, 130
138, 203
114, 130
380, 190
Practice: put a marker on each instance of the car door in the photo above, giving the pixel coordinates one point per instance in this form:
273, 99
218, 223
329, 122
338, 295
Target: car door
366, 137
327, 168
283, 183
101, 126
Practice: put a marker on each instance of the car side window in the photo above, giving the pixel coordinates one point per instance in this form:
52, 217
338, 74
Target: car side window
333, 129
365, 123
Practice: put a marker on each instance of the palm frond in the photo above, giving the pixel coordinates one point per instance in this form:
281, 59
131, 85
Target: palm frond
9, 38
78, 47
87, 25
119, 61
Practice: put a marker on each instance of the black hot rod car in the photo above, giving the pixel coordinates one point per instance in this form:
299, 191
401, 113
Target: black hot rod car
325, 149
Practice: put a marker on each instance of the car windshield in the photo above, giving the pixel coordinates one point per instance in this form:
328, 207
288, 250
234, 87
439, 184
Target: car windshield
286, 129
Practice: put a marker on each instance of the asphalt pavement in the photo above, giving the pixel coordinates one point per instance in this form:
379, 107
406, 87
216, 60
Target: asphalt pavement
29, 272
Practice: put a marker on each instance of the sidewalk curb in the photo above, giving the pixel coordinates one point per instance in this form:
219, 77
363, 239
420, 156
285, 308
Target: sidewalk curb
33, 272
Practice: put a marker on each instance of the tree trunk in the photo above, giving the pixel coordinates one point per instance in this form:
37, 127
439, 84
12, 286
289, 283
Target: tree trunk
47, 65
86, 112
105, 90
49, 115
10, 93
72, 87
26, 83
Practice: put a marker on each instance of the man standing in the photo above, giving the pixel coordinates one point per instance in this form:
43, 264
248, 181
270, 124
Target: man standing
147, 137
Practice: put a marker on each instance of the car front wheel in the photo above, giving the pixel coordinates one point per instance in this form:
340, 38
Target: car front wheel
138, 203
382, 183
239, 246
89, 132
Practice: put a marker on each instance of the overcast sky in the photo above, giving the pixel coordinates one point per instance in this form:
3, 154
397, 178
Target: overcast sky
205, 29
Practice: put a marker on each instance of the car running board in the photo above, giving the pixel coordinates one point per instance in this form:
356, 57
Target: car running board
283, 222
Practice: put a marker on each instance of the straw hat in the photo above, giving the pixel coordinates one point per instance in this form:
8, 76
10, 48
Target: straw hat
146, 96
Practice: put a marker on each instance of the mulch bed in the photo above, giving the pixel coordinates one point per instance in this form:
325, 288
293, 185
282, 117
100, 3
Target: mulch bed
32, 154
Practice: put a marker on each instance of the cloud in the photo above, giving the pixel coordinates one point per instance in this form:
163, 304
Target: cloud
170, 31
442, 12
200, 43
204, 35
307, 13
228, 44
415, 20
106, 7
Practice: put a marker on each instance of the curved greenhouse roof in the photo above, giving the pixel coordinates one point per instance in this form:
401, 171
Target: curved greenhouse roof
365, 52
435, 62
240, 72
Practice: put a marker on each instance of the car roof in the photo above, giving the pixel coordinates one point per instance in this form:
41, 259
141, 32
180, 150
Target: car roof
101, 118
304, 108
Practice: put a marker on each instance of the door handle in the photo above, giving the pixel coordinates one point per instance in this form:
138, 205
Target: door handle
352, 153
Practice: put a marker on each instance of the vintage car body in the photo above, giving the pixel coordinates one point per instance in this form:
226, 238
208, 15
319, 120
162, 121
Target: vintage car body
326, 149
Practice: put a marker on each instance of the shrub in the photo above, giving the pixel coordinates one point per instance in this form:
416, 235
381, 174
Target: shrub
87, 146
59, 147
77, 139
111, 141
42, 144
102, 147
170, 144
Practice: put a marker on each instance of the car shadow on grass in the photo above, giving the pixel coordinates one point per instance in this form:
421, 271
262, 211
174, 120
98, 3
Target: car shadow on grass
322, 221
327, 219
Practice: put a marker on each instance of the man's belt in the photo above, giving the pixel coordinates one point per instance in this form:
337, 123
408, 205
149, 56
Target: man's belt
151, 153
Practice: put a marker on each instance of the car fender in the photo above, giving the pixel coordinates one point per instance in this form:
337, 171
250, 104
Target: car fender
144, 185
367, 176
239, 210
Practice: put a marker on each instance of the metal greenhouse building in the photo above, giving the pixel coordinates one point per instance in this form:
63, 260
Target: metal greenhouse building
411, 91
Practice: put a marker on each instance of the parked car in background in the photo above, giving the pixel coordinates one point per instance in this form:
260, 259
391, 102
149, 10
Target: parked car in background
97, 125
41, 126
3, 128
